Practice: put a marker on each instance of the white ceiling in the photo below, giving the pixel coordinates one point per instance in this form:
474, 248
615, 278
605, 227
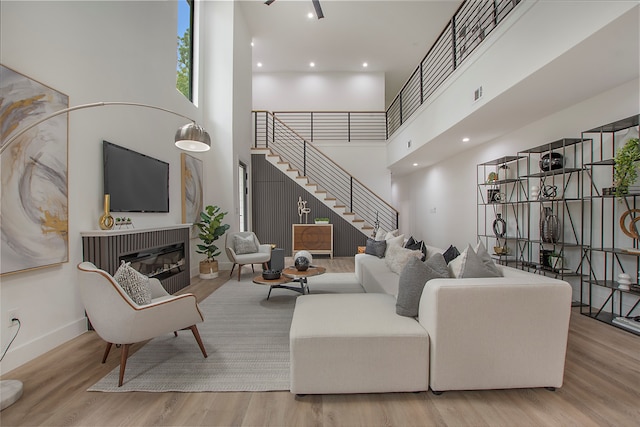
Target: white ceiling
392, 36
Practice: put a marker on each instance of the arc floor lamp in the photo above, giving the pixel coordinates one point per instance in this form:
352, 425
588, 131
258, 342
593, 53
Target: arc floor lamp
190, 137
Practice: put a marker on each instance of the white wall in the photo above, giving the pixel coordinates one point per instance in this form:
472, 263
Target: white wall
99, 51
318, 91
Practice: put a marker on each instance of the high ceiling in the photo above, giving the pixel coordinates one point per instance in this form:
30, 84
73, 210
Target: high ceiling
392, 36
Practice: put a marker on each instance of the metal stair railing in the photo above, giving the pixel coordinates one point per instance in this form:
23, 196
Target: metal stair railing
270, 132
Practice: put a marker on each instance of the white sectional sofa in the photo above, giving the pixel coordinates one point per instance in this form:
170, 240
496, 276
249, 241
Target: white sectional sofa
487, 333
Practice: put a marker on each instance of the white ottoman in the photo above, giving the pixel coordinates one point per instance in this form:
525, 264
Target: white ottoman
356, 343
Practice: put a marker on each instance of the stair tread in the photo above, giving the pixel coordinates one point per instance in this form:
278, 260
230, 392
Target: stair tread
358, 220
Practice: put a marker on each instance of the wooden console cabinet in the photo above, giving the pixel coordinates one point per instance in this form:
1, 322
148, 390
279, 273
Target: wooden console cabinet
315, 238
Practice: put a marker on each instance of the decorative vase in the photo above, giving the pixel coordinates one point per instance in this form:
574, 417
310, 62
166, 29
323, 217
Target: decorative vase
106, 220
302, 263
499, 226
208, 269
549, 226
551, 161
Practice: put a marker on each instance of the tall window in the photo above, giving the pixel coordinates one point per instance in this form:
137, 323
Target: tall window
184, 81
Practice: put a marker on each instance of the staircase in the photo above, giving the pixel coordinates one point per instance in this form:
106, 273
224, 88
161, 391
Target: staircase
303, 163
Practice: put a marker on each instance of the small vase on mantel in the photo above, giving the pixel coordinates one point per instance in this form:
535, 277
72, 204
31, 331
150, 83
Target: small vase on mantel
106, 220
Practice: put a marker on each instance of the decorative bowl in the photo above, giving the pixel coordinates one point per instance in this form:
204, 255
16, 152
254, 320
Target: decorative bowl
501, 250
270, 274
552, 161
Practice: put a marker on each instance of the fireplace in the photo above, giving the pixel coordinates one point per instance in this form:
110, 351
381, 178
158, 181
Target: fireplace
162, 252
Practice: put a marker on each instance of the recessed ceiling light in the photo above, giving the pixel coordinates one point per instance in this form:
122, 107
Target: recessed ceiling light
365, 65
312, 64
415, 164
252, 44
259, 64
310, 15
465, 139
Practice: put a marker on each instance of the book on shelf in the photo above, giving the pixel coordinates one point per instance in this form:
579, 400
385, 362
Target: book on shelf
628, 323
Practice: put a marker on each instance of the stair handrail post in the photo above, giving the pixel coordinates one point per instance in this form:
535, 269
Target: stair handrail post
304, 157
349, 126
311, 115
350, 193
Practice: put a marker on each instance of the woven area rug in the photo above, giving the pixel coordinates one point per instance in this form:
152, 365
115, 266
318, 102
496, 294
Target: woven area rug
246, 337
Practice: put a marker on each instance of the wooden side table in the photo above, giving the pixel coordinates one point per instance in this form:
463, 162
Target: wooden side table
276, 283
302, 276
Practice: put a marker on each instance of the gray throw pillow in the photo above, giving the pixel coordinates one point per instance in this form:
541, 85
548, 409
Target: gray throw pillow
470, 265
450, 254
134, 283
375, 247
244, 245
413, 279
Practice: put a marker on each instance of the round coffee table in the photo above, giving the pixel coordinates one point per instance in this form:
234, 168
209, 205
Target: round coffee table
302, 276
274, 283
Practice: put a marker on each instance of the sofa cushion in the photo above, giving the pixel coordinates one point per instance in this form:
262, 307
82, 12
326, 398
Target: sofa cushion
375, 276
394, 241
414, 278
397, 257
134, 283
471, 265
375, 247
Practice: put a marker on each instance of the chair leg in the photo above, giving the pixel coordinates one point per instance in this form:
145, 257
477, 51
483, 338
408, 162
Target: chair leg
123, 362
196, 334
175, 333
106, 352
234, 266
239, 271
265, 266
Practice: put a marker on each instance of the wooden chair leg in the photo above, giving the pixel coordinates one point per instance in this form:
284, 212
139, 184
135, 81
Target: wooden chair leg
253, 268
175, 333
234, 266
196, 334
239, 270
106, 352
123, 362
265, 266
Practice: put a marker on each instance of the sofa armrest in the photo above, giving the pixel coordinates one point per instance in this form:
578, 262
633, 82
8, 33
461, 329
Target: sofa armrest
506, 332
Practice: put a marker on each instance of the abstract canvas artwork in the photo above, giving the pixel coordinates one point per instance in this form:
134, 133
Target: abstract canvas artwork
34, 198
192, 203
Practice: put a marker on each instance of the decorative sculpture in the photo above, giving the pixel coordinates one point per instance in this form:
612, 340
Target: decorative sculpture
303, 210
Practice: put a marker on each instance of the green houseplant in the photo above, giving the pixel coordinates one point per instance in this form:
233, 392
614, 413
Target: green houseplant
625, 171
211, 229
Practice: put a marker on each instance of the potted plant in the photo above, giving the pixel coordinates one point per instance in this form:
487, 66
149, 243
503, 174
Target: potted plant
211, 229
321, 220
625, 171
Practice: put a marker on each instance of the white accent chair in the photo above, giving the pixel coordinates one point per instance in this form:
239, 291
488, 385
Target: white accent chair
262, 256
117, 319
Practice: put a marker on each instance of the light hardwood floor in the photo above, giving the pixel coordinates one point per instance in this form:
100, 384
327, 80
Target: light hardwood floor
602, 387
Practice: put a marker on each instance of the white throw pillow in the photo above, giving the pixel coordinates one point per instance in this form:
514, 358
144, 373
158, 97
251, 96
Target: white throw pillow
469, 264
134, 283
397, 257
244, 245
380, 234
394, 241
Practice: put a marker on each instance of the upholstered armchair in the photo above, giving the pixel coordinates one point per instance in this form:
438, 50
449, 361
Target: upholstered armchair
243, 247
119, 320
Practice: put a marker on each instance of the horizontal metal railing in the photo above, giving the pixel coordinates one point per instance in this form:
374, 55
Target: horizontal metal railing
468, 27
271, 132
348, 126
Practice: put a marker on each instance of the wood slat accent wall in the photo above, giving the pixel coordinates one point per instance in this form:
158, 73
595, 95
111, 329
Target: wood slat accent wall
275, 208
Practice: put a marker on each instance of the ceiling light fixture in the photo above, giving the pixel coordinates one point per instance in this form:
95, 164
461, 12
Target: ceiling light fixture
465, 139
312, 64
309, 15
365, 65
259, 64
316, 6
415, 164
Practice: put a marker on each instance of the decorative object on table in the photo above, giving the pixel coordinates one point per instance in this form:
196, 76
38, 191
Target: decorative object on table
549, 226
625, 172
544, 257
271, 274
499, 226
122, 222
192, 201
211, 229
492, 177
501, 250
302, 260
624, 281
493, 195
551, 161
548, 192
631, 230
321, 220
303, 210
608, 191
534, 192
34, 216
106, 220
376, 226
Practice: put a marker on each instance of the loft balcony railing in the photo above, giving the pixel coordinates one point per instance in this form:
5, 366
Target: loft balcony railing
466, 30
347, 126
271, 132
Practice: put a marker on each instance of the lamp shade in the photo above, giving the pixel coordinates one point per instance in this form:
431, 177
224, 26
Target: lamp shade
192, 137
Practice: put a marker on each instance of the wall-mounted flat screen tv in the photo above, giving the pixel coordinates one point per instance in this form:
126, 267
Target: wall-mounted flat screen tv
135, 182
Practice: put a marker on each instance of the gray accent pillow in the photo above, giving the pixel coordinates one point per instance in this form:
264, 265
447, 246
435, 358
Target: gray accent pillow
375, 247
413, 279
134, 283
451, 253
244, 245
471, 265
